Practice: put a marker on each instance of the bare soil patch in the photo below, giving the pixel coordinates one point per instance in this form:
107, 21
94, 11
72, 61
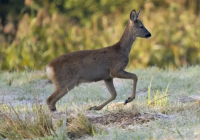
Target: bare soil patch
121, 118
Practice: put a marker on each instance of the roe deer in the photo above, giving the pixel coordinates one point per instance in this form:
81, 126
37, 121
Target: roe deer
74, 68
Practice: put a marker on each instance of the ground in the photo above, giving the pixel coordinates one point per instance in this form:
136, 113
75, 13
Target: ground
167, 106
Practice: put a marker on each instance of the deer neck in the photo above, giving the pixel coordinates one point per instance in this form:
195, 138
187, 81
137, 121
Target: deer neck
126, 41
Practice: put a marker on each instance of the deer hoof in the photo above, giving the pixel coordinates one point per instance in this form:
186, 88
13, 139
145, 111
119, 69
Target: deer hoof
53, 109
92, 108
127, 101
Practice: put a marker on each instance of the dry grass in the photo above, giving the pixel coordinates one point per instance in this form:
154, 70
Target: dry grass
79, 126
18, 124
36, 122
197, 103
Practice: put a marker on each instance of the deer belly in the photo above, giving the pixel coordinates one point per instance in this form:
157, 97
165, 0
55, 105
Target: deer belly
95, 75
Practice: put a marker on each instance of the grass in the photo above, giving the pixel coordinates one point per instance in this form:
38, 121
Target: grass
79, 126
152, 115
159, 99
25, 123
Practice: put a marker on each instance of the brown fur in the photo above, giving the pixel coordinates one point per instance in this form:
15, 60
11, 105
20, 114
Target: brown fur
74, 68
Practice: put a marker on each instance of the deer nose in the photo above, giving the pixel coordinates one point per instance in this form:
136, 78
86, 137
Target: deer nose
148, 35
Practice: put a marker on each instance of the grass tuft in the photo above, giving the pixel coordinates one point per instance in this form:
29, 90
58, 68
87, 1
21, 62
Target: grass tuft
79, 126
159, 98
25, 124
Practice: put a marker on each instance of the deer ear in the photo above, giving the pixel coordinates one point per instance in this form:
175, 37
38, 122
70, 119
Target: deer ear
133, 15
138, 13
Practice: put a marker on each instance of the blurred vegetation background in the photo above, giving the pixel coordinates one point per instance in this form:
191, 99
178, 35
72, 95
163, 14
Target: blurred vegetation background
33, 32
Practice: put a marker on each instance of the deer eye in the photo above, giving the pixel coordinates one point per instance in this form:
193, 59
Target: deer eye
141, 27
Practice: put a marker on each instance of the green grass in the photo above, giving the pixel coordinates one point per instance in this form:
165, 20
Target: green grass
176, 117
159, 98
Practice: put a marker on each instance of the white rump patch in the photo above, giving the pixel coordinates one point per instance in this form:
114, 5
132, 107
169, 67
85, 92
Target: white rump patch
49, 72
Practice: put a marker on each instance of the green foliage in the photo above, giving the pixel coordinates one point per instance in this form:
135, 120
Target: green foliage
61, 27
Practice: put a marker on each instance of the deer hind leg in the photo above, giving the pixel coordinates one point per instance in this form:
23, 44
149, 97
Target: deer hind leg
59, 93
111, 88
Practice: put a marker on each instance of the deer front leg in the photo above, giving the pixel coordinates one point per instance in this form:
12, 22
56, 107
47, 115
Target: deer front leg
111, 89
126, 75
